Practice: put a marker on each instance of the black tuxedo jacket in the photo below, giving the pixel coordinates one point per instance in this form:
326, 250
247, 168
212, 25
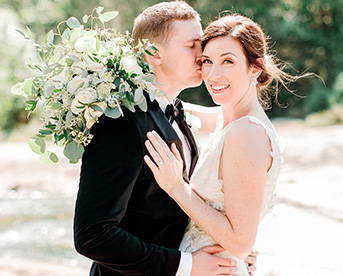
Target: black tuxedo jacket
123, 221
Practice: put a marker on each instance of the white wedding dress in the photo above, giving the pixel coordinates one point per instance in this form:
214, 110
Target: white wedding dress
206, 183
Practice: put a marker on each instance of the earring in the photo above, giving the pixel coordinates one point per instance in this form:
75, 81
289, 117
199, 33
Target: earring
254, 82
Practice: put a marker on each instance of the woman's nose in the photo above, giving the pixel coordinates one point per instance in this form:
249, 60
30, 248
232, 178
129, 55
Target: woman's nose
214, 74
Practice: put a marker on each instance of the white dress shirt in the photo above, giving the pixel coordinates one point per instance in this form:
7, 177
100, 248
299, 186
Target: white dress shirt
185, 265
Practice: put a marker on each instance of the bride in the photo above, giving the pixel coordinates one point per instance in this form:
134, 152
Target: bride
232, 186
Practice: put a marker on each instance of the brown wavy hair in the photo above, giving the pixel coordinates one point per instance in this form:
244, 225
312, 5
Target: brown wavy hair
255, 46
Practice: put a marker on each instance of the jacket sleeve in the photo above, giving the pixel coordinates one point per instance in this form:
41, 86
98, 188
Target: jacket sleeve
110, 167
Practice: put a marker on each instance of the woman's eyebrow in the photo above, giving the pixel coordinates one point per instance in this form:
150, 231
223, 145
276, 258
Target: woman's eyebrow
223, 54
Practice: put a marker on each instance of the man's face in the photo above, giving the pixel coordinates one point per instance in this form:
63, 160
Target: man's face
181, 54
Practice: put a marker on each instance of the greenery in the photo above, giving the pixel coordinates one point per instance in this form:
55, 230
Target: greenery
85, 70
308, 34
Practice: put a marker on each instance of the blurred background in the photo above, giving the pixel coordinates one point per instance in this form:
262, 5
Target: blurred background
302, 236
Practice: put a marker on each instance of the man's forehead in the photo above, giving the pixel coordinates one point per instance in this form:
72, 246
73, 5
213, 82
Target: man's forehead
187, 30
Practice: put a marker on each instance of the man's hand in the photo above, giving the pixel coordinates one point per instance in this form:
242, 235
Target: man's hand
206, 264
250, 262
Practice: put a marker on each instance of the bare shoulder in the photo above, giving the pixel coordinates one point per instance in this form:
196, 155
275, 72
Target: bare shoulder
247, 140
247, 132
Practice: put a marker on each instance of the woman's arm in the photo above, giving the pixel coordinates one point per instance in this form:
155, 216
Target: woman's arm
207, 115
245, 161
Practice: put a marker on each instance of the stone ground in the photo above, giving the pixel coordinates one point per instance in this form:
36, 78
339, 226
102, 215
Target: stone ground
301, 237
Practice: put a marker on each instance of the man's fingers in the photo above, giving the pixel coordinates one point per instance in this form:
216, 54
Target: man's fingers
212, 249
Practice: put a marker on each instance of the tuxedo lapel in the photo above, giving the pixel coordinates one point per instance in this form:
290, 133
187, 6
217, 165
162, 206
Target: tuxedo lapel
167, 132
180, 120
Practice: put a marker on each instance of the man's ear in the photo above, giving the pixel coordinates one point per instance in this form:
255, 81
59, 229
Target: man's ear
255, 69
153, 56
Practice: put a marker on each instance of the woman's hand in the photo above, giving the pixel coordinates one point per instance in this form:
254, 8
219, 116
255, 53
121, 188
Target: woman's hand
166, 164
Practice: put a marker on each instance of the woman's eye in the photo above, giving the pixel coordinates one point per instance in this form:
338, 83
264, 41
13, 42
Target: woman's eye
206, 61
227, 61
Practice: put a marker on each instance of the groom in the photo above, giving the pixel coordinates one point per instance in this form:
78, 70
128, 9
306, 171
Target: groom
123, 221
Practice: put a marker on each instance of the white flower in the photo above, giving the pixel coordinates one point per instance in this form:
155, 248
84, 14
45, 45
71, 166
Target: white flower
104, 90
66, 100
85, 44
64, 76
193, 121
130, 65
94, 66
106, 76
78, 68
75, 84
84, 96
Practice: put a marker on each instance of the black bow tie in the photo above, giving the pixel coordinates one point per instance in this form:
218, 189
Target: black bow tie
175, 112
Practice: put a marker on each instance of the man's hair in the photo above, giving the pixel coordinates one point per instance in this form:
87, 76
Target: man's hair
154, 22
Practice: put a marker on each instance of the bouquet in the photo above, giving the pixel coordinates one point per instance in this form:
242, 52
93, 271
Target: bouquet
84, 73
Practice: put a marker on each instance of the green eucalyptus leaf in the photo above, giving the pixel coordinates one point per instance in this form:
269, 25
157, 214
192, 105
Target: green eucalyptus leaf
143, 106
73, 151
148, 52
17, 89
45, 131
27, 34
113, 112
69, 116
49, 158
129, 105
99, 10
139, 96
73, 23
28, 86
55, 105
37, 145
85, 18
50, 37
108, 16
154, 48
97, 108
66, 34
75, 34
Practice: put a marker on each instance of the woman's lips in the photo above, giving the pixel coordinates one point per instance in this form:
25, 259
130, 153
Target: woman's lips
216, 89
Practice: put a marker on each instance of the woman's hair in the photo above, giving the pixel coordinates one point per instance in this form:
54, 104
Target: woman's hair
255, 46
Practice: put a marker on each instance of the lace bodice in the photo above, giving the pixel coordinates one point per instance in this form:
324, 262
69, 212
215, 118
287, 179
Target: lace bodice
205, 181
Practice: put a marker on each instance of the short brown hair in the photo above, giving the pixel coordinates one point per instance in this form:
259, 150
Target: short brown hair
153, 23
255, 46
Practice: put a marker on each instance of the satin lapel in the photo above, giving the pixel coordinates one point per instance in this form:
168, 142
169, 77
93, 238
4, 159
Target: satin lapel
168, 133
194, 148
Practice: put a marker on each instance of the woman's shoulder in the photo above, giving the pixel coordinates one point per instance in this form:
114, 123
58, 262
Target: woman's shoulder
247, 135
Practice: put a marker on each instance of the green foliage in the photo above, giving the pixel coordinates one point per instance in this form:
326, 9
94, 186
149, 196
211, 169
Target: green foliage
318, 100
11, 112
306, 33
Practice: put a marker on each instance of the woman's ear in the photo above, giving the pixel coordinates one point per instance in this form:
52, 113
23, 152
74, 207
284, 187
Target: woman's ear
153, 57
255, 69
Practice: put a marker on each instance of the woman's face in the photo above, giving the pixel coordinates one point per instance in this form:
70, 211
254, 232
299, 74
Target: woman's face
225, 70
